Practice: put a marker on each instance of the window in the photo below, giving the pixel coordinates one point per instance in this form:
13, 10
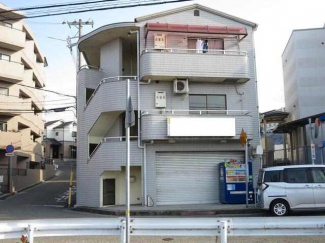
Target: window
3, 126
296, 176
4, 91
318, 175
208, 102
196, 12
56, 133
273, 176
4, 57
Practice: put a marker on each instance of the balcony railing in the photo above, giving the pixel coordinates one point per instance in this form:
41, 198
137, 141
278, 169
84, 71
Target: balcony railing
11, 38
229, 66
197, 112
11, 71
111, 139
109, 80
198, 51
88, 67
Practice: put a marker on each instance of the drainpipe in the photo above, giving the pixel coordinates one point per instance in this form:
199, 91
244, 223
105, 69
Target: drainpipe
144, 180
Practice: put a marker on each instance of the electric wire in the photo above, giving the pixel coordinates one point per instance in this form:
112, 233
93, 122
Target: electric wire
89, 9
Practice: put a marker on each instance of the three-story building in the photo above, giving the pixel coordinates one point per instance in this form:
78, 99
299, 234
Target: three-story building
195, 92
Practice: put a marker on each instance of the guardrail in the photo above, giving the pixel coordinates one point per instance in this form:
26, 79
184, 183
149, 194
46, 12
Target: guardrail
197, 112
108, 80
199, 51
220, 227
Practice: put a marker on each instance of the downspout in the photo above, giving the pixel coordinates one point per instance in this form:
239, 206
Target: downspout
256, 87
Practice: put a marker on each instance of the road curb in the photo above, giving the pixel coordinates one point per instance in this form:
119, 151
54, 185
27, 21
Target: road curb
169, 212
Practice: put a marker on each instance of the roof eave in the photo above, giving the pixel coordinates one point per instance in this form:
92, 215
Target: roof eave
196, 6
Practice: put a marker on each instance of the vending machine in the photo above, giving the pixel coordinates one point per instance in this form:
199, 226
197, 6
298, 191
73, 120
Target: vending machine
233, 182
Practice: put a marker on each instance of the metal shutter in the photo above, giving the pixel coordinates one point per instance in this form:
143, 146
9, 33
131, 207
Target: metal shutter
188, 177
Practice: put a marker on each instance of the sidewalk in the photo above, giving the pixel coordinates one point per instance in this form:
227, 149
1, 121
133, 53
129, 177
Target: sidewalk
176, 210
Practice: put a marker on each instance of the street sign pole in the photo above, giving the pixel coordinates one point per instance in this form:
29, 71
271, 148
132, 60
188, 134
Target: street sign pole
127, 174
247, 172
312, 146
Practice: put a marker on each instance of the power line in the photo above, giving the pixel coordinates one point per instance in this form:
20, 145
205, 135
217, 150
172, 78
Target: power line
47, 90
54, 6
139, 4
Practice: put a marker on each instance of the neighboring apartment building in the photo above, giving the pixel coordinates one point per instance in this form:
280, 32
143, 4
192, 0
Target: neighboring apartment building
21, 65
60, 140
193, 102
304, 73
304, 89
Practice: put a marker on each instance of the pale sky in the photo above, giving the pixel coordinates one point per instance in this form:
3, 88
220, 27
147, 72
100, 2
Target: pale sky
276, 20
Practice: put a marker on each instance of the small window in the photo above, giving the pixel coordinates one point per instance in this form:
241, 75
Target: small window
4, 57
297, 176
3, 126
318, 175
208, 102
273, 176
4, 91
196, 12
56, 133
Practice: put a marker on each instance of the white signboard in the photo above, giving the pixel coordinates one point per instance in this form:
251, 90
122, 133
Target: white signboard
1, 178
201, 127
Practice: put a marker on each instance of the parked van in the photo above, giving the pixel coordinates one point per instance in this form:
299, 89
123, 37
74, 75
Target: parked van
285, 188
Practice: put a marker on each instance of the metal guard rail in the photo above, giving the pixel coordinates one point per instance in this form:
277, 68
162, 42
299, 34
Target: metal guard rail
108, 80
222, 227
104, 140
197, 51
196, 112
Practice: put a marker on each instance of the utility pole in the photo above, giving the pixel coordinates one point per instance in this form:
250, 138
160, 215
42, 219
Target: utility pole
78, 24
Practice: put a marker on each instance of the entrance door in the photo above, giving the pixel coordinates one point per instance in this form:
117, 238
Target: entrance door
109, 192
299, 188
318, 175
55, 150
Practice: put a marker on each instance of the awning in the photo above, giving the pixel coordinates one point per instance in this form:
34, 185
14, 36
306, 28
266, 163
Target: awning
53, 141
293, 125
225, 31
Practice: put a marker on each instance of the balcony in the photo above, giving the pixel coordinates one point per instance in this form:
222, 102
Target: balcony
11, 71
38, 70
13, 138
213, 66
110, 96
12, 39
34, 122
155, 124
13, 105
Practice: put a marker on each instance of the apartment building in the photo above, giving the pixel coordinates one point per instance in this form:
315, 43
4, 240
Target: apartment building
303, 75
196, 91
21, 65
60, 140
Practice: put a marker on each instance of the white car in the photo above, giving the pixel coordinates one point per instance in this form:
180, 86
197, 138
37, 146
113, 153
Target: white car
297, 187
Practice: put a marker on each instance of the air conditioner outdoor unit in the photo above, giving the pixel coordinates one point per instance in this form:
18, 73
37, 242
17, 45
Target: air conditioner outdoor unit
181, 86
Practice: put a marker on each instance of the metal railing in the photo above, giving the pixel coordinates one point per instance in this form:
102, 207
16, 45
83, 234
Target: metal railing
197, 112
293, 156
219, 227
197, 51
108, 80
107, 139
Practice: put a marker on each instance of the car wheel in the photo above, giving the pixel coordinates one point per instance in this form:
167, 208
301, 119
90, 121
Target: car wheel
280, 208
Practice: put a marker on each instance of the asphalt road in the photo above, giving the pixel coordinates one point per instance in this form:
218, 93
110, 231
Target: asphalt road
46, 200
